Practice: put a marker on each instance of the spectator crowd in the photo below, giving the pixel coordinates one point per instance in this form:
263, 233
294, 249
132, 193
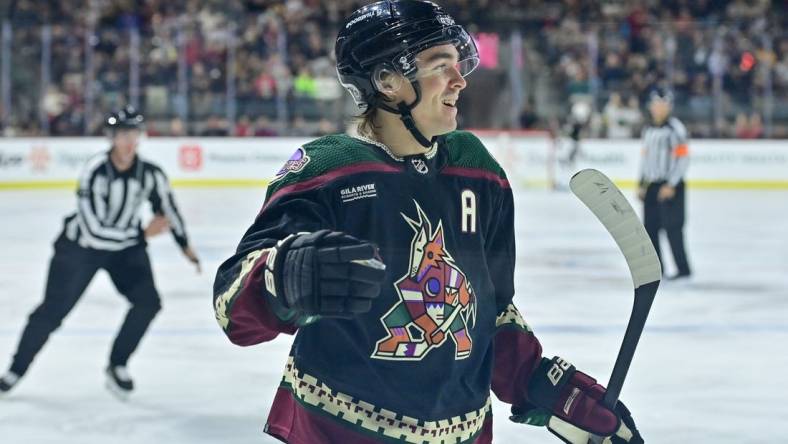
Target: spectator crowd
266, 68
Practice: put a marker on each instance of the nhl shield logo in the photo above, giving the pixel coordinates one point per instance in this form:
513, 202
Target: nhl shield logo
437, 302
420, 165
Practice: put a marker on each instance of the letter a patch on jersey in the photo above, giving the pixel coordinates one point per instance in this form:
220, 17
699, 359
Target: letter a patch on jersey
437, 303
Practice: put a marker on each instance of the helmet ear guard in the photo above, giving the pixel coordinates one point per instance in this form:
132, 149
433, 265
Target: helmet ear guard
387, 80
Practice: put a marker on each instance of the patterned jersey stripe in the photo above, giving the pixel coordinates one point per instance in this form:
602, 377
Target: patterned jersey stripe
316, 395
223, 303
511, 317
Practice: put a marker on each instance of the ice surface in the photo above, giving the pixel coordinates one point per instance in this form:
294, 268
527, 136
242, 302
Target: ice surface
708, 368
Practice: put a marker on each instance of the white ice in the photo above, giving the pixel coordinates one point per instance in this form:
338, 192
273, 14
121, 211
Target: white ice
709, 368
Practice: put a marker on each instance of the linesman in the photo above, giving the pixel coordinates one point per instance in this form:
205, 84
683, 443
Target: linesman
106, 232
662, 190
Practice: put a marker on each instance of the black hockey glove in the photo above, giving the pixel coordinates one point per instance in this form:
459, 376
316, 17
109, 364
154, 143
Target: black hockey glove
569, 403
325, 273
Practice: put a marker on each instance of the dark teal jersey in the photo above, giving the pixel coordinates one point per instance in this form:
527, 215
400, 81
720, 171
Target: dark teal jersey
419, 366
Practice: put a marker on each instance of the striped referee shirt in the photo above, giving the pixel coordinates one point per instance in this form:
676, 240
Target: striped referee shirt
665, 153
108, 204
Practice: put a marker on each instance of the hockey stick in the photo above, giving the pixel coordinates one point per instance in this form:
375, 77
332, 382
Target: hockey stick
610, 206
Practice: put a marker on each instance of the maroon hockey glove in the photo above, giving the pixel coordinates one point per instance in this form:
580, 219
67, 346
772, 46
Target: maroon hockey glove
325, 273
569, 403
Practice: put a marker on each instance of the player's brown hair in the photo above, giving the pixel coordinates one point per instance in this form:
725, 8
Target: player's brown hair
365, 122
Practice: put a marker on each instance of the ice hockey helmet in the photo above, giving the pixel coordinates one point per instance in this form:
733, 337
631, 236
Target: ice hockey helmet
384, 38
125, 118
661, 93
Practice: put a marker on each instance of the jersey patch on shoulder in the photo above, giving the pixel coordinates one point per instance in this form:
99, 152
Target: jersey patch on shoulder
296, 163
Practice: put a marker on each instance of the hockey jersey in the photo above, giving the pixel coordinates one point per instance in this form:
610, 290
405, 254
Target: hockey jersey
419, 366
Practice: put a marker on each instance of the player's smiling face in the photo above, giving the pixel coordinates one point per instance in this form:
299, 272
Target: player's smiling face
440, 82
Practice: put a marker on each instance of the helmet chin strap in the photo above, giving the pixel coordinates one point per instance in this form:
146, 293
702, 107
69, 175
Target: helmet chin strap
404, 111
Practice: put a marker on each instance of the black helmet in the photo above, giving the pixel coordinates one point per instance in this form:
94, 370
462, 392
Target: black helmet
383, 38
661, 93
125, 118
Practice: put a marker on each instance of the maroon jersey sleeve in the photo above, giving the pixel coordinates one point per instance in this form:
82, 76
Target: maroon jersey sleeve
241, 304
517, 354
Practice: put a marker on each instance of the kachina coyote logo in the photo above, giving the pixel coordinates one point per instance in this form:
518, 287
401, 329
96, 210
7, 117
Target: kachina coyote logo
436, 300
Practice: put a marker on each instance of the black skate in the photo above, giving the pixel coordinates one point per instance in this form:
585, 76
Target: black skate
7, 382
119, 382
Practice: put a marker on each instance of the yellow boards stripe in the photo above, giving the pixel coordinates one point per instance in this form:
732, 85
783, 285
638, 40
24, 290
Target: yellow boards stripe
252, 183
180, 183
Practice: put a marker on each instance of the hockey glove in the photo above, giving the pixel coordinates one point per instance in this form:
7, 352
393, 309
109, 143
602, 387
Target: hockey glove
569, 403
325, 273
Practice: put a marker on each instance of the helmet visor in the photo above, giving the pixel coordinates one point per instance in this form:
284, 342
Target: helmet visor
436, 57
443, 66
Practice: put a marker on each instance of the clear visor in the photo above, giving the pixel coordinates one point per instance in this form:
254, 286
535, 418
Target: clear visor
445, 67
447, 50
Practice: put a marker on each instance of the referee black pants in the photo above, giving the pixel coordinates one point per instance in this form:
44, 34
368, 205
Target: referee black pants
70, 271
667, 215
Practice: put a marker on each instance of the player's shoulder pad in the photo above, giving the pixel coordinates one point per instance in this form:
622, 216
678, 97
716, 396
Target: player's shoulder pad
94, 163
678, 127
151, 167
321, 157
149, 164
97, 159
467, 151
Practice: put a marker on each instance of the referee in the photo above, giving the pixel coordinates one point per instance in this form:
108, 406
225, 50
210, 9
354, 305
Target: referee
106, 232
664, 165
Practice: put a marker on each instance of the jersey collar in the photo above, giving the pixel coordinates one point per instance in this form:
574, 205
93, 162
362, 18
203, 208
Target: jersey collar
429, 154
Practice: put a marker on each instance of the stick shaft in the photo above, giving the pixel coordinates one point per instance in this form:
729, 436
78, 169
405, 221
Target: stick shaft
644, 296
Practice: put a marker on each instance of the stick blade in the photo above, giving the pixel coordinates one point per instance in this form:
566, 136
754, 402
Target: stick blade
610, 206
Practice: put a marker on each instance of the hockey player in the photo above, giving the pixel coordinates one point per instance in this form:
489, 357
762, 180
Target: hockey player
665, 162
407, 351
105, 232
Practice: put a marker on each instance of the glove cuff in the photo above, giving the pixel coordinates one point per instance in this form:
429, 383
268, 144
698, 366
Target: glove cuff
273, 285
548, 381
572, 396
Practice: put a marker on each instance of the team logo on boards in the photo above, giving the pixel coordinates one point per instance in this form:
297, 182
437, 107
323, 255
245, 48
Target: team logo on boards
39, 158
190, 157
436, 300
296, 163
